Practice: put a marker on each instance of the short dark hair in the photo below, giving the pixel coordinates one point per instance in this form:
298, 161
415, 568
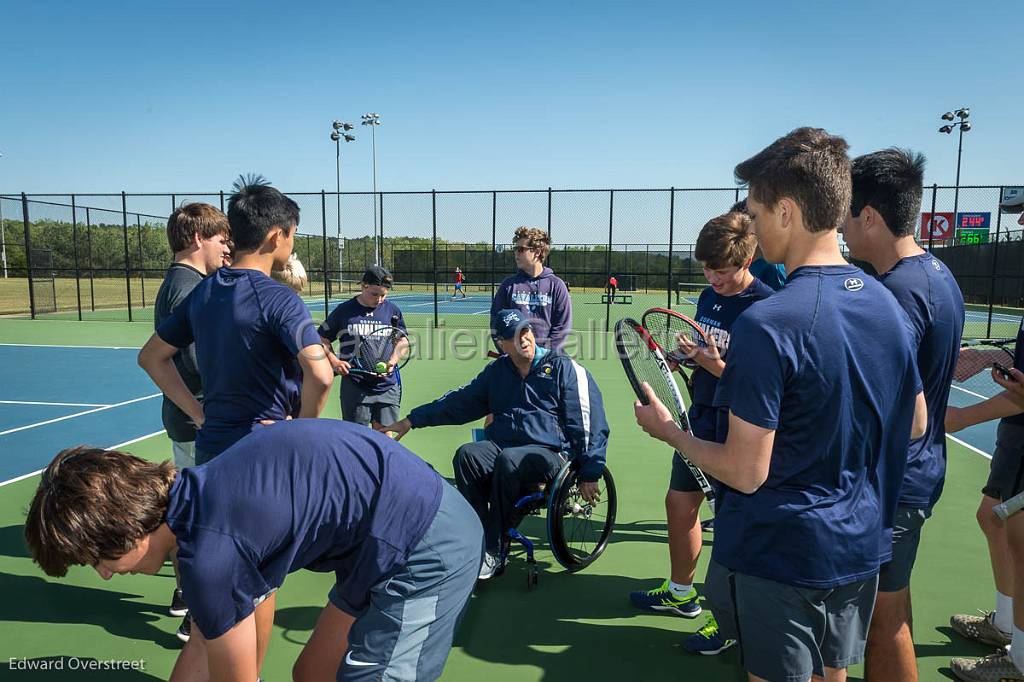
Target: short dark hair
726, 241
891, 182
809, 166
740, 207
256, 208
94, 504
196, 218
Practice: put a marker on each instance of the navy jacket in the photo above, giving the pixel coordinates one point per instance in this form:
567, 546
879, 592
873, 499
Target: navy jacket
558, 405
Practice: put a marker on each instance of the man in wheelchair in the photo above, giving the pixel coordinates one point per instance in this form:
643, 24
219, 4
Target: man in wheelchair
544, 404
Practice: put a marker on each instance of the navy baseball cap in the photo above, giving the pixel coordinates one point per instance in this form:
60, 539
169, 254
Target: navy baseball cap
508, 323
375, 275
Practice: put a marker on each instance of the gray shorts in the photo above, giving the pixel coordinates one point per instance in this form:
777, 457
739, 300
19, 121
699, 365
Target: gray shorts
406, 631
718, 594
361, 407
1006, 475
906, 536
788, 633
184, 454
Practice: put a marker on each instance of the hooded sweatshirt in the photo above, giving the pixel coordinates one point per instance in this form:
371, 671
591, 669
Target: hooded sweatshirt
544, 299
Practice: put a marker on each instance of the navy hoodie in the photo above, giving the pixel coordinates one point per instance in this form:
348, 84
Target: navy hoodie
557, 405
544, 299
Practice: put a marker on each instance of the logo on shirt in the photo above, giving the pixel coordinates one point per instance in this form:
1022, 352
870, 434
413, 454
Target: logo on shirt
854, 284
936, 264
717, 306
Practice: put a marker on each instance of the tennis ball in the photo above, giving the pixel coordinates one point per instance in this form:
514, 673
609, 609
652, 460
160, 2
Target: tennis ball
381, 368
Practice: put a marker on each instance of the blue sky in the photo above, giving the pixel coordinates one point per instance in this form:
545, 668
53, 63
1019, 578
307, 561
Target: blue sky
141, 96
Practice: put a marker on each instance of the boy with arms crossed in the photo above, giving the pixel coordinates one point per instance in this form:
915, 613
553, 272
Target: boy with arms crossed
199, 237
819, 419
724, 247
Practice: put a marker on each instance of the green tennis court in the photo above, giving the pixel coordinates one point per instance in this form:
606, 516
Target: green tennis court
578, 625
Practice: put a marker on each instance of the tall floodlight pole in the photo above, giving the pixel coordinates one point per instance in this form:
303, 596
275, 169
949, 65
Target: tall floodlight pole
339, 133
373, 120
3, 237
960, 114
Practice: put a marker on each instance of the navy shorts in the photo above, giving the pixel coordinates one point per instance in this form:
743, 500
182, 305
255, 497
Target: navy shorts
703, 424
906, 537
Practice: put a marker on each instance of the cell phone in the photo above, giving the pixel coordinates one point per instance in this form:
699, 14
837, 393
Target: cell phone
1002, 370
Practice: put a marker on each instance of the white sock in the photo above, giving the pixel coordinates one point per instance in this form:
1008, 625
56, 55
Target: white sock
1017, 648
679, 590
1004, 612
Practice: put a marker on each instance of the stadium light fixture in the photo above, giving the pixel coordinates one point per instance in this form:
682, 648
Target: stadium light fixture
962, 114
339, 133
373, 120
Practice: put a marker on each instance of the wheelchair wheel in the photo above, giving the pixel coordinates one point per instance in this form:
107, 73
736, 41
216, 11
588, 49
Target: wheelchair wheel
577, 530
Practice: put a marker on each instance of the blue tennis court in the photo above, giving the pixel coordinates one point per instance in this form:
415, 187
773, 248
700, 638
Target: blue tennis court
57, 396
418, 302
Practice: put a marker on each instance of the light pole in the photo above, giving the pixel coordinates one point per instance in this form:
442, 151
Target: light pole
373, 120
962, 114
339, 133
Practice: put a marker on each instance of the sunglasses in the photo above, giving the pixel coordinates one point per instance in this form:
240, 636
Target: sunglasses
522, 249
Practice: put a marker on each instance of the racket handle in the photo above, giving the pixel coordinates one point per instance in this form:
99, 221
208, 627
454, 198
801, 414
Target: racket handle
1005, 510
394, 320
493, 354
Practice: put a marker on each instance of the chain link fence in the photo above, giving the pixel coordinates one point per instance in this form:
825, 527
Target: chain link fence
103, 256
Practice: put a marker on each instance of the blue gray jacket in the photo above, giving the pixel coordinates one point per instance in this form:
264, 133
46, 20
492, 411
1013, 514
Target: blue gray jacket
558, 405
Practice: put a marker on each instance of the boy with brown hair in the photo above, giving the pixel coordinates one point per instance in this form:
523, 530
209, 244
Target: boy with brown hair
535, 290
199, 237
725, 248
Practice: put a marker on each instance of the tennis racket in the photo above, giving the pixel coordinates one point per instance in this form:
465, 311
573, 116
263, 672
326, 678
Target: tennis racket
381, 352
669, 328
644, 361
978, 355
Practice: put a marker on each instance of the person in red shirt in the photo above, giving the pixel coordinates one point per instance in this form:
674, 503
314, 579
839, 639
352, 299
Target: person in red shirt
458, 284
613, 285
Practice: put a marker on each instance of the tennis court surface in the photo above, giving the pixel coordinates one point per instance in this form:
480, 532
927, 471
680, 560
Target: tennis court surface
66, 383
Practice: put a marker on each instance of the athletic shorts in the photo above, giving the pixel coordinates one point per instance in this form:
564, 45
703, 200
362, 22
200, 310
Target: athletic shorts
361, 407
906, 536
406, 631
703, 424
1006, 474
788, 633
184, 454
718, 594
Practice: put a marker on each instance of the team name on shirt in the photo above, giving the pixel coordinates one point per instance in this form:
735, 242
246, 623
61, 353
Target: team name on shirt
715, 333
531, 298
364, 327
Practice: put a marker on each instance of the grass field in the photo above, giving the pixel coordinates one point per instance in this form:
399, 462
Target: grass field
578, 625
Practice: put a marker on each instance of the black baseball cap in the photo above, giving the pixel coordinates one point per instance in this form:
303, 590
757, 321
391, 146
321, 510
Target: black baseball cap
375, 275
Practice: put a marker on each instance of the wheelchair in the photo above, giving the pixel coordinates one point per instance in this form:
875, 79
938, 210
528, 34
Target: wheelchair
577, 530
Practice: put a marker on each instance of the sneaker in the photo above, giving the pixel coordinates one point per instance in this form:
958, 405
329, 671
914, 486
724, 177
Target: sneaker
491, 566
707, 640
178, 607
185, 629
980, 628
997, 667
662, 599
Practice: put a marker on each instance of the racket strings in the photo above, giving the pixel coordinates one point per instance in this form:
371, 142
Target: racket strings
973, 360
645, 368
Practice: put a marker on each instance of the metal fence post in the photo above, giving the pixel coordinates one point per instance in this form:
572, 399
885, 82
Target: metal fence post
494, 239
995, 264
28, 256
931, 220
92, 272
549, 214
323, 229
78, 271
433, 212
671, 234
608, 262
222, 201
142, 260
127, 264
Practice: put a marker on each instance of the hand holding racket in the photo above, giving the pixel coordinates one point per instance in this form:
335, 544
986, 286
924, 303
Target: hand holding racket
380, 353
980, 354
673, 332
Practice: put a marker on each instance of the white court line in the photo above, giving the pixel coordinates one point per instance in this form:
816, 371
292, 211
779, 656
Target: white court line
109, 447
79, 414
976, 395
969, 446
51, 345
36, 402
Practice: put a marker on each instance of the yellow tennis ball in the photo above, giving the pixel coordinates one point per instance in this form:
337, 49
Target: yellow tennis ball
381, 367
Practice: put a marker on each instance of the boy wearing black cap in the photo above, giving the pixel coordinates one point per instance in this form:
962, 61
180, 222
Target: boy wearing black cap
546, 408
364, 399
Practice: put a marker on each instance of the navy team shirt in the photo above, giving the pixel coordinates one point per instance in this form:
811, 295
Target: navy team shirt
319, 494
352, 319
927, 292
248, 330
1018, 362
828, 363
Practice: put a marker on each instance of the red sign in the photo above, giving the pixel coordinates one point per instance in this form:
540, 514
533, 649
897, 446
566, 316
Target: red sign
941, 226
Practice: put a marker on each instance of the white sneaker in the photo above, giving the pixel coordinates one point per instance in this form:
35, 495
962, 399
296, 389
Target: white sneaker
490, 566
